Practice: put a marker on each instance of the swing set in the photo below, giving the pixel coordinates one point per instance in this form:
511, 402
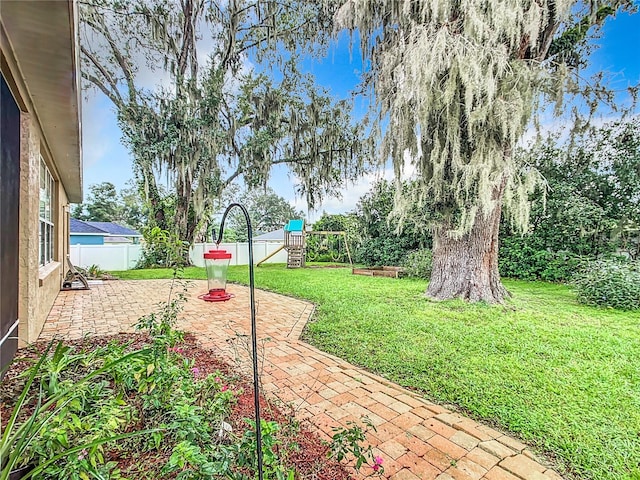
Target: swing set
335, 253
295, 244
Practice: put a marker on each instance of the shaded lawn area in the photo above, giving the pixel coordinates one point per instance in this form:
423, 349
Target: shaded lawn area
562, 376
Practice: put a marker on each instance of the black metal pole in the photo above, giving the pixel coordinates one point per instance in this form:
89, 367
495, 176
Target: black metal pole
254, 338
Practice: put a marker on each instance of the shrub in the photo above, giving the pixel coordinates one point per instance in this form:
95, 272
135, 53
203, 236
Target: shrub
522, 259
562, 266
609, 283
162, 249
382, 251
418, 264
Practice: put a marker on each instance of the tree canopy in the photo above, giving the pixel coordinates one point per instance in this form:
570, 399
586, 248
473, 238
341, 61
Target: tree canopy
457, 84
106, 204
227, 100
592, 204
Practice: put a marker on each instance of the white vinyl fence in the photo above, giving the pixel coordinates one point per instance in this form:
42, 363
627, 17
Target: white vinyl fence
107, 257
125, 257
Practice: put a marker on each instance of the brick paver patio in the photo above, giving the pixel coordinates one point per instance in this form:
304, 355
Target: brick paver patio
416, 438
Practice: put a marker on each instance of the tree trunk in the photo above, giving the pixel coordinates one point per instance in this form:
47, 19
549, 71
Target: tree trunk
467, 267
152, 195
183, 203
181, 219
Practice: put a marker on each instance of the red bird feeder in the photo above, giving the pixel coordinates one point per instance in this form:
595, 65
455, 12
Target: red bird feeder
217, 263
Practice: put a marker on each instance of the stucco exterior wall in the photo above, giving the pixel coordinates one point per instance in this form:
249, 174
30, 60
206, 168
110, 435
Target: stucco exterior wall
38, 285
38, 61
28, 249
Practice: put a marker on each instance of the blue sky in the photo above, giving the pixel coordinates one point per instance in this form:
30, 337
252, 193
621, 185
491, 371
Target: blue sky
106, 160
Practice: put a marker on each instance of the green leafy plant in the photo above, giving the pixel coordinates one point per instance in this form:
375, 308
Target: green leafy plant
524, 258
94, 271
349, 441
272, 451
610, 283
43, 423
418, 264
163, 249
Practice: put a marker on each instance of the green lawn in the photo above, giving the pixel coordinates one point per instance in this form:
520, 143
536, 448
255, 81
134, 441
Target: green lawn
562, 376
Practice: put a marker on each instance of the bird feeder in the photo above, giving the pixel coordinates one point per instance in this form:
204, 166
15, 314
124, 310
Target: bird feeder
217, 264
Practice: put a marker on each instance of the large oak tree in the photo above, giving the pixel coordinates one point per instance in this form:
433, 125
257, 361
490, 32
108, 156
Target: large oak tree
455, 84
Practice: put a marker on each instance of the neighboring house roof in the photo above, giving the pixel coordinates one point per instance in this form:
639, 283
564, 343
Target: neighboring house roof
276, 235
115, 229
117, 240
78, 227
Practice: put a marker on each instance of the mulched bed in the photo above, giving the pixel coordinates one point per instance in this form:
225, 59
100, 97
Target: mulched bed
309, 460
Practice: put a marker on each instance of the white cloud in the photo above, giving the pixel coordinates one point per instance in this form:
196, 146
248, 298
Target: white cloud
350, 196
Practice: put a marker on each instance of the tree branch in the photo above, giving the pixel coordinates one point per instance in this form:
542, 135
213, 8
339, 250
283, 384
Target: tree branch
120, 58
117, 101
107, 76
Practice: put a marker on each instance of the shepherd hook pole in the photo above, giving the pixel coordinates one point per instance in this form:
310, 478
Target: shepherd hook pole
254, 339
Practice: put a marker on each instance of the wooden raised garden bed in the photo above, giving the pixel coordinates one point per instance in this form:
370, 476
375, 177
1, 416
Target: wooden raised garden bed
393, 272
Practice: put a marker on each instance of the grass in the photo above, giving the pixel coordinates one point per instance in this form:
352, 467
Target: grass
562, 376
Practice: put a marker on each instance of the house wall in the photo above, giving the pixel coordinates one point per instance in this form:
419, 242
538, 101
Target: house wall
38, 60
38, 285
86, 240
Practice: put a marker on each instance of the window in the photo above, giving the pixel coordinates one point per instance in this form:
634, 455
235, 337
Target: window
46, 214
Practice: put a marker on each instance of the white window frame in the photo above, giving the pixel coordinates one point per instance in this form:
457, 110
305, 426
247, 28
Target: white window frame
46, 224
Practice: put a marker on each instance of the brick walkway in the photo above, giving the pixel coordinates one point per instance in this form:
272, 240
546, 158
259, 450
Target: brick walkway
416, 438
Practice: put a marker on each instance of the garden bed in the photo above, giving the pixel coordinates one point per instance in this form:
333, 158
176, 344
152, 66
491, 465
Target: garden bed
298, 449
392, 272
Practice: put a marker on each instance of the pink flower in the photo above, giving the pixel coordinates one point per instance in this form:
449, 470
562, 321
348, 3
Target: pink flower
218, 380
377, 463
83, 454
195, 371
224, 388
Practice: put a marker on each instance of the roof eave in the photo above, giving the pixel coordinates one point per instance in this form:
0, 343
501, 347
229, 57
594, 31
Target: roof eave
43, 40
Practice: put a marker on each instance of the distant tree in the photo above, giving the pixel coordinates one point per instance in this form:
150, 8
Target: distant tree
268, 211
591, 207
133, 210
601, 170
77, 212
214, 119
105, 204
102, 204
455, 85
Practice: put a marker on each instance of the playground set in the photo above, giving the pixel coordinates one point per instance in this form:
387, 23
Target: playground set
295, 244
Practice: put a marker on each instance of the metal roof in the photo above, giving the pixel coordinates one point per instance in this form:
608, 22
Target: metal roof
115, 229
116, 239
80, 227
84, 228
